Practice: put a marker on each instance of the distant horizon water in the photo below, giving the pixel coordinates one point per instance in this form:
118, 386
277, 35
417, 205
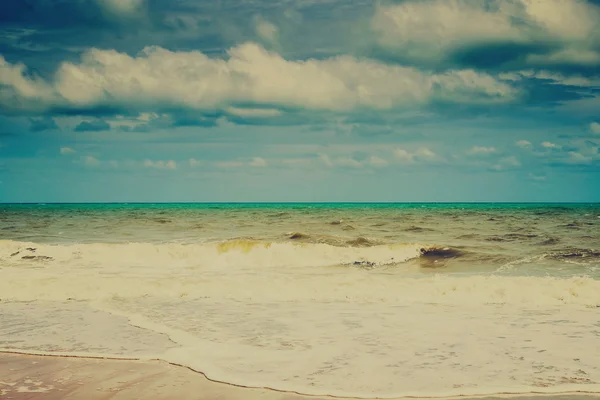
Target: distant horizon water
303, 202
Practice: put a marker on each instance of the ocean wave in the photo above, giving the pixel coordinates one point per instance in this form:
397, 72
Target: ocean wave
549, 241
336, 241
571, 253
418, 229
279, 271
511, 237
239, 253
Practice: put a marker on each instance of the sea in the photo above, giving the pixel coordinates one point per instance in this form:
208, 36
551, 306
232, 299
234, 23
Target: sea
359, 300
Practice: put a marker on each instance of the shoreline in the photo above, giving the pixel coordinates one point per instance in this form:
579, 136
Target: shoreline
47, 376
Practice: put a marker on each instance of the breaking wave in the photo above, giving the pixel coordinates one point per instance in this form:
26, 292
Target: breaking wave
242, 253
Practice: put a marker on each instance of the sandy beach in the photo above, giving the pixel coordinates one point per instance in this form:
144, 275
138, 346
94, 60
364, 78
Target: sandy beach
29, 377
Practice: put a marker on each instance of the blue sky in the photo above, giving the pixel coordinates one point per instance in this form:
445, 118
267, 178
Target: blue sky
299, 100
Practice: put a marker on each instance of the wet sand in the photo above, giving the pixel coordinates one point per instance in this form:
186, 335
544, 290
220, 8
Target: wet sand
27, 377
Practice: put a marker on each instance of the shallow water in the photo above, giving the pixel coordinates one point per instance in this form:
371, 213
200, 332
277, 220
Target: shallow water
343, 299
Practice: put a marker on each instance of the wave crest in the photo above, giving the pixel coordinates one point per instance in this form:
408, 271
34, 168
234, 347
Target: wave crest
238, 253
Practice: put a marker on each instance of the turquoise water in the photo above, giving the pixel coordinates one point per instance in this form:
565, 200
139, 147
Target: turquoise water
509, 206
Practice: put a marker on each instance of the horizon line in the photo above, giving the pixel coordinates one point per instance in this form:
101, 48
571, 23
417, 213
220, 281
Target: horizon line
297, 202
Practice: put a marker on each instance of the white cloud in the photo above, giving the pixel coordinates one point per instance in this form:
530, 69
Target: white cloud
421, 154
595, 128
340, 162
424, 152
427, 29
17, 90
348, 162
525, 144
297, 162
550, 145
258, 162
481, 150
569, 56
253, 112
121, 7
266, 30
576, 152
66, 150
432, 30
94, 162
538, 178
553, 77
377, 162
506, 163
578, 159
90, 161
160, 164
250, 75
147, 117
194, 163
510, 161
403, 155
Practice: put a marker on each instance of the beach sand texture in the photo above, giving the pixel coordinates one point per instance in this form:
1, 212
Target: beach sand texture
27, 377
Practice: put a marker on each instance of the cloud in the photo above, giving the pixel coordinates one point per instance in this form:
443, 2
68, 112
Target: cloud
92, 126
577, 158
255, 162
403, 155
19, 91
551, 146
194, 163
253, 112
160, 164
539, 178
94, 162
266, 31
583, 57
121, 7
506, 163
524, 144
66, 150
90, 161
42, 124
297, 162
481, 150
250, 75
407, 157
258, 162
595, 128
347, 162
351, 162
377, 162
580, 152
521, 32
553, 77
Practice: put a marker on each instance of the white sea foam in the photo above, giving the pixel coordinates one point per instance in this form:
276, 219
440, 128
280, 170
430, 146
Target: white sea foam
209, 256
262, 271
301, 317
332, 348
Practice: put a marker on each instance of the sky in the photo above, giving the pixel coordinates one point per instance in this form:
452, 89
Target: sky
299, 100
